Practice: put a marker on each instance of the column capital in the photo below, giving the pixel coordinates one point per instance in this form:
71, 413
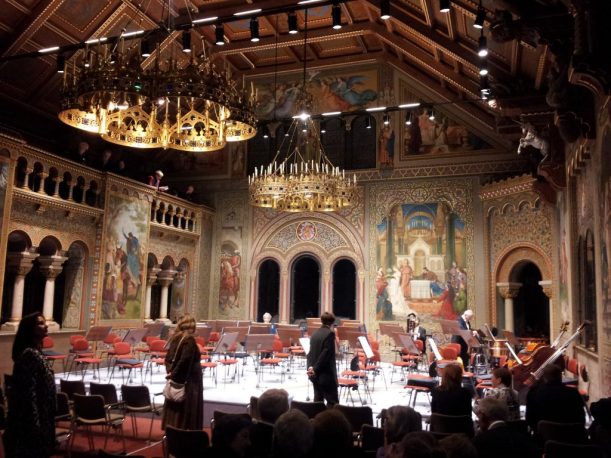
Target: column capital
509, 290
51, 266
20, 263
166, 277
548, 289
151, 275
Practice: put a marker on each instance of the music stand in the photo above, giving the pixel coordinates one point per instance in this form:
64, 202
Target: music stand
289, 336
450, 327
155, 329
259, 328
256, 343
98, 333
225, 342
511, 338
408, 343
305, 344
203, 331
135, 336
241, 330
434, 348
387, 329
366, 347
468, 337
353, 338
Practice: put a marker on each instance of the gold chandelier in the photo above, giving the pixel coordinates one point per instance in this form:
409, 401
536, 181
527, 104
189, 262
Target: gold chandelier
192, 107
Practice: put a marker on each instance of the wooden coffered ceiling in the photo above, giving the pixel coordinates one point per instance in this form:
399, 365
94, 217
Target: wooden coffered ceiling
436, 50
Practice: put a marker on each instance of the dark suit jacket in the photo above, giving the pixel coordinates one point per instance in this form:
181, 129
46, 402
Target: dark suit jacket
553, 402
458, 339
503, 442
456, 402
322, 356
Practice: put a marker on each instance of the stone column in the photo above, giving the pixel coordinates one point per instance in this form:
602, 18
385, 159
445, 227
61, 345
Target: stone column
50, 267
326, 297
20, 264
509, 291
554, 321
151, 278
165, 278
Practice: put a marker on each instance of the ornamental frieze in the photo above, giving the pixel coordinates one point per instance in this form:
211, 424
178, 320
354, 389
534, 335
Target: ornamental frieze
313, 232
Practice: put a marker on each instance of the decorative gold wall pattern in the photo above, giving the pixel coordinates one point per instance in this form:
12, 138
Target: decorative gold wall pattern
325, 236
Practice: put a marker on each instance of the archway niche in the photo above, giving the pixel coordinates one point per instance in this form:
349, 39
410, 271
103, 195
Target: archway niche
268, 289
531, 305
18, 242
68, 305
305, 290
344, 289
155, 304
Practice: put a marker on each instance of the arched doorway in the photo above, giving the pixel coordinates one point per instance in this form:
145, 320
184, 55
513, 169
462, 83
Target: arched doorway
305, 291
344, 289
268, 289
531, 305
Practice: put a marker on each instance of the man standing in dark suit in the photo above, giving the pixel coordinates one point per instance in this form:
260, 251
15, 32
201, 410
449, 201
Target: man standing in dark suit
321, 361
464, 322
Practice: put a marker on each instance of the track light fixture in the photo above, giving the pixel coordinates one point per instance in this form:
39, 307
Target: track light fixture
484, 87
386, 119
482, 46
145, 47
385, 10
409, 118
483, 68
368, 122
444, 6
186, 41
61, 63
480, 17
323, 127
219, 35
254, 29
265, 130
431, 114
293, 23
336, 15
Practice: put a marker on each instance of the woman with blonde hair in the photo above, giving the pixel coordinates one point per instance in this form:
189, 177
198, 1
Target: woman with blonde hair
450, 398
183, 366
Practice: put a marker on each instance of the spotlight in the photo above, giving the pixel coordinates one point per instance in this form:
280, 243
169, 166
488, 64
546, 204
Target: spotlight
444, 6
87, 62
61, 63
265, 131
186, 41
336, 14
323, 127
304, 127
368, 122
145, 47
482, 46
219, 35
385, 10
409, 118
386, 119
431, 115
483, 69
254, 30
293, 23
113, 57
480, 17
484, 87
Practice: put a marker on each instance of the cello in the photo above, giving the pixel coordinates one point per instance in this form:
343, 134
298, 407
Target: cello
525, 374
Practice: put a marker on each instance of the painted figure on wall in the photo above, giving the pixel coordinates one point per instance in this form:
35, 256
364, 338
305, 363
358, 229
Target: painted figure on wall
386, 146
230, 277
177, 303
421, 251
605, 211
127, 230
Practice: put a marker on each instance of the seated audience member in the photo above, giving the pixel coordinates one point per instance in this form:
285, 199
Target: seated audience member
332, 435
600, 429
272, 403
458, 446
419, 444
450, 398
155, 181
119, 168
398, 421
231, 436
83, 154
550, 400
105, 163
501, 389
189, 194
496, 439
293, 435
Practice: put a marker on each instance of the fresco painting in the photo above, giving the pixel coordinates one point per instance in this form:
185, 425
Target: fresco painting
124, 250
179, 292
421, 256
230, 276
605, 212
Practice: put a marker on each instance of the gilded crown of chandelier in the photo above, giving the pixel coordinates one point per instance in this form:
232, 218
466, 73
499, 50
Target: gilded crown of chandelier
190, 108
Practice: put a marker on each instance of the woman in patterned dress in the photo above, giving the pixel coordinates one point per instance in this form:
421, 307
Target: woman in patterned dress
501, 389
30, 430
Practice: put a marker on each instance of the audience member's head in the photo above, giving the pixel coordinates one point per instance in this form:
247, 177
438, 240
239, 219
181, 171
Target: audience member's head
232, 433
501, 376
273, 403
31, 331
106, 155
458, 446
327, 318
293, 435
332, 434
552, 374
121, 164
190, 190
451, 378
399, 421
490, 410
419, 444
186, 324
158, 174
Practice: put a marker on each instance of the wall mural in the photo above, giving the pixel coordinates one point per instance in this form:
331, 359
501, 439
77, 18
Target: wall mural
331, 90
563, 259
4, 167
179, 292
421, 262
230, 265
605, 209
124, 266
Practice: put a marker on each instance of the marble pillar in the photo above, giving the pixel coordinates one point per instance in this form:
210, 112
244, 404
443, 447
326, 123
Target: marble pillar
508, 292
165, 279
19, 264
50, 267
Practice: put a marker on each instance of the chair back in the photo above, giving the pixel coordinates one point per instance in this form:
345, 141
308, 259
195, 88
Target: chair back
573, 366
122, 348
253, 407
311, 409
451, 424
556, 449
356, 416
47, 342
74, 338
89, 409
449, 353
72, 387
371, 438
157, 345
184, 443
455, 346
81, 344
62, 411
107, 390
136, 396
570, 433
110, 338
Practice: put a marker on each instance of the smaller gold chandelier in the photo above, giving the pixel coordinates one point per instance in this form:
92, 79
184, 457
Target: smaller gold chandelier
305, 180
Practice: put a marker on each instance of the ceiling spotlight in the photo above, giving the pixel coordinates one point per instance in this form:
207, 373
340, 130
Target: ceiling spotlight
304, 127
431, 115
336, 15
368, 122
480, 17
385, 10
444, 6
145, 47
61, 63
219, 35
484, 87
482, 46
409, 118
113, 57
386, 119
293, 23
265, 131
254, 30
186, 41
483, 69
88, 58
323, 127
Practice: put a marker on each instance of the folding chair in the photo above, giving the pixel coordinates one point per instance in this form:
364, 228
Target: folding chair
90, 411
356, 416
62, 415
311, 409
183, 443
72, 387
124, 360
52, 355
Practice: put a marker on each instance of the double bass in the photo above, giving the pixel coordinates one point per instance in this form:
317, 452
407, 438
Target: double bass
531, 370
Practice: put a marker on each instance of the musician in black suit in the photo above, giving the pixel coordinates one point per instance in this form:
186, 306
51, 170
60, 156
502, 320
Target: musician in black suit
464, 322
321, 361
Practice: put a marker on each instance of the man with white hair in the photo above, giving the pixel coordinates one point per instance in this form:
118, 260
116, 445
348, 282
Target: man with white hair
464, 322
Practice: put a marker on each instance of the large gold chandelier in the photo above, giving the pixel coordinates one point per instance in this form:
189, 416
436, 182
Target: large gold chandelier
192, 107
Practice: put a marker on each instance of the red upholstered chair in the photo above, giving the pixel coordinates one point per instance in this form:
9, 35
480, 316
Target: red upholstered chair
449, 353
455, 346
85, 358
123, 358
50, 354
